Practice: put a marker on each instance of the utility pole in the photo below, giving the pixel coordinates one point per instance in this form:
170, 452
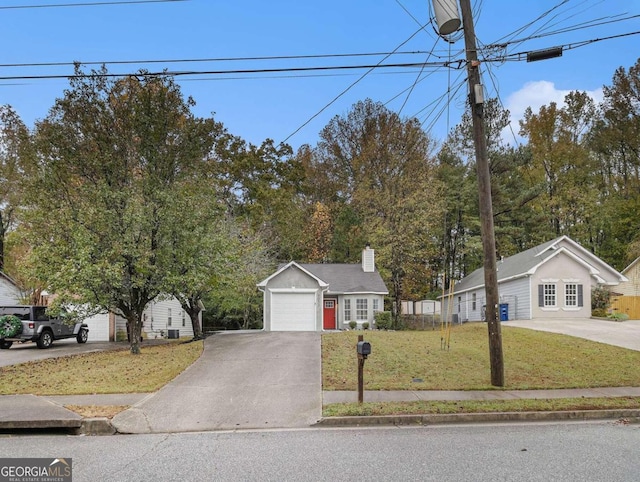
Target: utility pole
476, 101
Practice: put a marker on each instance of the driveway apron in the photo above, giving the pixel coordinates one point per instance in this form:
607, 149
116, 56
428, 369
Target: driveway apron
625, 334
241, 381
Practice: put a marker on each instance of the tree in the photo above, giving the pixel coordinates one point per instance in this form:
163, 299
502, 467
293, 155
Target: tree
14, 145
110, 157
381, 167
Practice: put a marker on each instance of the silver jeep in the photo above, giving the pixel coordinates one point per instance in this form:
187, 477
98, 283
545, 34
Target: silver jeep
38, 326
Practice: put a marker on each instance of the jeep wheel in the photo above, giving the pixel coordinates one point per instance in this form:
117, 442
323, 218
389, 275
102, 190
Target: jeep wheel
83, 335
5, 345
45, 340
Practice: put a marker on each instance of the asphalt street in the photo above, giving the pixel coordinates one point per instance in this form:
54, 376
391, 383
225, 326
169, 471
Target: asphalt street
575, 451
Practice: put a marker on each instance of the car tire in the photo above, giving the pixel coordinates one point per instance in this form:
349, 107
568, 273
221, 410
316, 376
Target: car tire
5, 345
83, 335
45, 339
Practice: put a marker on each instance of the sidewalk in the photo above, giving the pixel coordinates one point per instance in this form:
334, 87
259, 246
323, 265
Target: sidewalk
19, 413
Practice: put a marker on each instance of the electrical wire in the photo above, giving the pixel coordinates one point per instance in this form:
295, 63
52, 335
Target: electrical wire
349, 87
178, 73
88, 4
213, 59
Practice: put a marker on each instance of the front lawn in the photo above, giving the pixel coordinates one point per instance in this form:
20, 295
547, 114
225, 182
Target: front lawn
414, 360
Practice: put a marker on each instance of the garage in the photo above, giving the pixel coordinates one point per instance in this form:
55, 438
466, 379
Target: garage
293, 311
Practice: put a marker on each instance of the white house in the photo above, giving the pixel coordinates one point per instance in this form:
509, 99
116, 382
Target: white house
553, 280
162, 318
316, 297
10, 294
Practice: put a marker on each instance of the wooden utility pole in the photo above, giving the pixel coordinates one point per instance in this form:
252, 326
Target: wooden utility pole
476, 101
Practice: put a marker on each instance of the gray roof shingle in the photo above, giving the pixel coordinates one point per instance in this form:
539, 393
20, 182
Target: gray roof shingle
347, 278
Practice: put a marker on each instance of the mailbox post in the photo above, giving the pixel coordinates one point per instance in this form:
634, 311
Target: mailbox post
364, 349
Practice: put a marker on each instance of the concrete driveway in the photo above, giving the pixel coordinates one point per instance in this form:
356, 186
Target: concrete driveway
625, 334
243, 380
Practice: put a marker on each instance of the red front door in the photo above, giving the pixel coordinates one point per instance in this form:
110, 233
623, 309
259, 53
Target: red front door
329, 315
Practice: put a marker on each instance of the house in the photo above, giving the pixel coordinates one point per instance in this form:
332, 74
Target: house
552, 280
162, 318
10, 293
316, 297
627, 294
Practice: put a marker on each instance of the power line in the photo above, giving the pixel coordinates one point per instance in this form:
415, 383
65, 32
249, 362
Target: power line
88, 4
350, 87
169, 73
213, 59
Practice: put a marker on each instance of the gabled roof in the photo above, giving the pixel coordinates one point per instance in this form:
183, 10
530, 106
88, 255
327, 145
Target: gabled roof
527, 262
339, 278
284, 267
630, 267
348, 278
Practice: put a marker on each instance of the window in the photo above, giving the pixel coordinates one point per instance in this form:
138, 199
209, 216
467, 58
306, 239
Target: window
362, 312
473, 302
184, 318
347, 310
459, 303
375, 305
573, 295
549, 294
168, 316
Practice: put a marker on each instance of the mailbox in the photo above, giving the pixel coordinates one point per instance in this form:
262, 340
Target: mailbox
364, 348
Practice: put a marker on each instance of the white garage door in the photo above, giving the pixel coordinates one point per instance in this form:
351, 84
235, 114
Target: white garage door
293, 312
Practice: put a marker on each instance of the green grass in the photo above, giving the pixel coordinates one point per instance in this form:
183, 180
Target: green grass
474, 406
104, 372
532, 360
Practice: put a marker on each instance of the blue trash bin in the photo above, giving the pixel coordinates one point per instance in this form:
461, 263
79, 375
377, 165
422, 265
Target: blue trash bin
504, 312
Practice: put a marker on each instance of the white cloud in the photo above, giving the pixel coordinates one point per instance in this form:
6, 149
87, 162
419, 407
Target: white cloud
536, 94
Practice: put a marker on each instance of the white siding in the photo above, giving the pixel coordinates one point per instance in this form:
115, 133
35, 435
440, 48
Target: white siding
9, 293
516, 294
157, 319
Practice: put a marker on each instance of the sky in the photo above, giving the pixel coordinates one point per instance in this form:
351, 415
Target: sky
294, 106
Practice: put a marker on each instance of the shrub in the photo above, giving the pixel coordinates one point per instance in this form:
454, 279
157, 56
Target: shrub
352, 325
618, 316
365, 326
599, 313
382, 320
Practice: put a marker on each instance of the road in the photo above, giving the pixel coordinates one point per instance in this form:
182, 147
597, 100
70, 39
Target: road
577, 451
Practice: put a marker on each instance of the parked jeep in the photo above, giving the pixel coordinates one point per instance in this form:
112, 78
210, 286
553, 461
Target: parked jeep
32, 323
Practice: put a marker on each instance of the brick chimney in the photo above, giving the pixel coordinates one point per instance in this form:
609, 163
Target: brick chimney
368, 260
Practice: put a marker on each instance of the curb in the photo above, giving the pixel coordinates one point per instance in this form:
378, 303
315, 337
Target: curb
96, 426
631, 415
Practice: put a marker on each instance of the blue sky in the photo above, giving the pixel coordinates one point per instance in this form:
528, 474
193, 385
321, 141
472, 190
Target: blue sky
256, 107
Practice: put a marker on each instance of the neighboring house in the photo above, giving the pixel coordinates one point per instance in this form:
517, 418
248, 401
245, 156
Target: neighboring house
316, 297
553, 280
627, 296
162, 318
10, 294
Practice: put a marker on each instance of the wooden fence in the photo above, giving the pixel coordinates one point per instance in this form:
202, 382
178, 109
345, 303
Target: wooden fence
627, 304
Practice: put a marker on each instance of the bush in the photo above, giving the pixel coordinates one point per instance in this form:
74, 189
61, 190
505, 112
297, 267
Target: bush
383, 320
618, 316
352, 325
599, 313
365, 326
